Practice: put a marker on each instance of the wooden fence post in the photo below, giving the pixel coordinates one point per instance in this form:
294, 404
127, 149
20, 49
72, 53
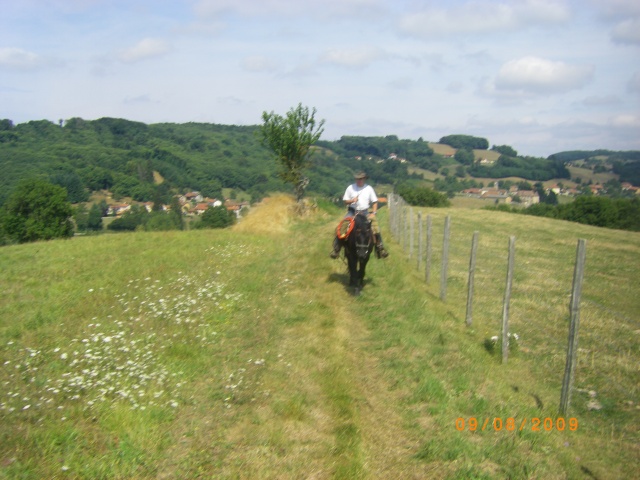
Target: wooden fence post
391, 212
574, 307
472, 271
411, 235
445, 259
404, 228
507, 300
419, 240
427, 268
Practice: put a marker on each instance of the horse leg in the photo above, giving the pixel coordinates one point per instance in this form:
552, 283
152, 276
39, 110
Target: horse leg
353, 271
363, 267
358, 282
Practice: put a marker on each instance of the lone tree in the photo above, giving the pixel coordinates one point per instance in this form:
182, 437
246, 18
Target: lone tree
37, 210
290, 138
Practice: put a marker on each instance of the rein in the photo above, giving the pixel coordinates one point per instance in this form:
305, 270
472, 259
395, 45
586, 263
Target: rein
368, 233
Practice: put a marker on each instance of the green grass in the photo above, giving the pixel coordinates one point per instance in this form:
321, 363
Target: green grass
232, 354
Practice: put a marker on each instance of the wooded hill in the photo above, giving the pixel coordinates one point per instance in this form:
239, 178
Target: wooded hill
150, 162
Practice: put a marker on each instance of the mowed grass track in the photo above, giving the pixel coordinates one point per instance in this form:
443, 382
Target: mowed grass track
241, 354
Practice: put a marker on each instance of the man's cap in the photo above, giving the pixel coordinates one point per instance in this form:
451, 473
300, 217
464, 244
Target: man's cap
360, 175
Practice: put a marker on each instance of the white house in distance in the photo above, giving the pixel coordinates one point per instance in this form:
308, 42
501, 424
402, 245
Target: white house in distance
527, 197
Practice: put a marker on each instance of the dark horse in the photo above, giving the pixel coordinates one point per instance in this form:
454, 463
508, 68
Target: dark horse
358, 249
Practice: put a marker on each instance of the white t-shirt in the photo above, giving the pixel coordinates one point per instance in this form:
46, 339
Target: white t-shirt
366, 196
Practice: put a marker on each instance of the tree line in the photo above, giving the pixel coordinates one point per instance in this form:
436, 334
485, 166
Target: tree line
39, 210
154, 162
616, 213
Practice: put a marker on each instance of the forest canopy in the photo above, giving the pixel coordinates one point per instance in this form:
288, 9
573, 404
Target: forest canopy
465, 141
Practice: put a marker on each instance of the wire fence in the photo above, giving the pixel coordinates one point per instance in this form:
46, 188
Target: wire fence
607, 353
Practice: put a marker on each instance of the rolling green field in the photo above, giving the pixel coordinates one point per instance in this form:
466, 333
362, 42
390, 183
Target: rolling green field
240, 353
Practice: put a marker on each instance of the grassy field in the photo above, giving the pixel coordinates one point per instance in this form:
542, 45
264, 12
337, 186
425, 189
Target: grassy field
241, 354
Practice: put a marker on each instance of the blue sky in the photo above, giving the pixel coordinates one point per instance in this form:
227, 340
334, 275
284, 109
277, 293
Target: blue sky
541, 76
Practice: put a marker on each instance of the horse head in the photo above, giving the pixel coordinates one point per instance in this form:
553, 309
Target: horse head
363, 237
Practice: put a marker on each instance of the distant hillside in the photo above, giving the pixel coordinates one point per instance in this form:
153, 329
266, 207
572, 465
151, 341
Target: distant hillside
129, 159
122, 156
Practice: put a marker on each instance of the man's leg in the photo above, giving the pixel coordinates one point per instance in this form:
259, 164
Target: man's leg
381, 252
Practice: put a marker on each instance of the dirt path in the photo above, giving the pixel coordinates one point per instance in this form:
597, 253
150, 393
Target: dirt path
386, 444
328, 411
361, 411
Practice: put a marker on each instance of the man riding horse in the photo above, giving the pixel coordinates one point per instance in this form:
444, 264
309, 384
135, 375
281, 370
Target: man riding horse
359, 197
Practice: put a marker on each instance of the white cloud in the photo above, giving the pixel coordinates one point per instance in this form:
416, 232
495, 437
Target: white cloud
617, 8
20, 60
625, 120
538, 75
627, 31
633, 85
257, 63
325, 9
353, 57
140, 99
144, 49
401, 83
455, 87
601, 100
475, 17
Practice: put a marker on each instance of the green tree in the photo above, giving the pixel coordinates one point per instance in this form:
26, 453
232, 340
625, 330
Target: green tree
131, 220
175, 213
422, 196
290, 138
37, 210
94, 222
505, 150
81, 216
159, 222
216, 217
465, 141
76, 191
465, 156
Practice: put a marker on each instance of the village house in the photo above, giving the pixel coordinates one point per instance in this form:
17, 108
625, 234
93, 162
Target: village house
200, 208
495, 194
235, 207
118, 208
191, 197
528, 197
394, 156
555, 189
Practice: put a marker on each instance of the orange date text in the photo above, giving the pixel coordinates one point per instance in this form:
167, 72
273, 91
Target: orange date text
511, 424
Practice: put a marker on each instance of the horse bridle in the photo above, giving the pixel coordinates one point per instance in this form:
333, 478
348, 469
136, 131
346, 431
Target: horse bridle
368, 244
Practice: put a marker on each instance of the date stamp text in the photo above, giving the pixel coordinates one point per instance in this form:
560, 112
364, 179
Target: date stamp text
511, 424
